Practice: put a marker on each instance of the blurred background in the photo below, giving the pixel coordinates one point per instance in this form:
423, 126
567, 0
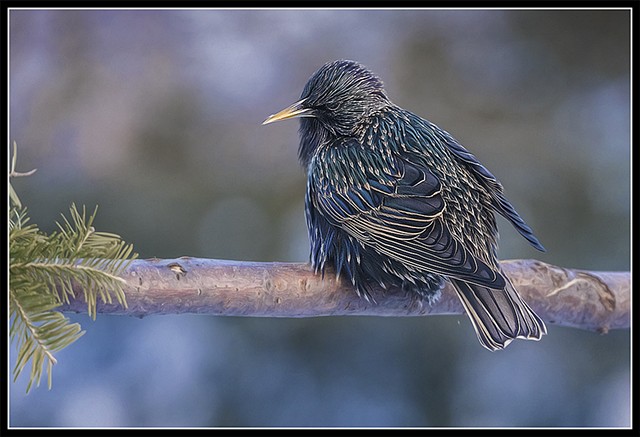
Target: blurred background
155, 116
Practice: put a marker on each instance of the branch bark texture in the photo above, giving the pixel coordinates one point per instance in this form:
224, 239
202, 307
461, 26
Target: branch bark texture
596, 301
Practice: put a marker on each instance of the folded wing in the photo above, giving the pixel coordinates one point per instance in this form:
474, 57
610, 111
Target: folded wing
400, 215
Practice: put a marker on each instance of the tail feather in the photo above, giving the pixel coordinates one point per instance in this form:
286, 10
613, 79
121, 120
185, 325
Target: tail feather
499, 316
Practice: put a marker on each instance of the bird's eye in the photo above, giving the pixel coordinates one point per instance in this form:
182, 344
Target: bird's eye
332, 106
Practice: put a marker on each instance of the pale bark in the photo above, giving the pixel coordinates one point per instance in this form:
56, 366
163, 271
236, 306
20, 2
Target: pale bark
596, 301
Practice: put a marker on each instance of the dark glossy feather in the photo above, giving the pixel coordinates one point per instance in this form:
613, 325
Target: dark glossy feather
406, 225
498, 315
395, 200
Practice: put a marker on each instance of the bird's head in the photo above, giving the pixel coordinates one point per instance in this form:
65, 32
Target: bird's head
337, 98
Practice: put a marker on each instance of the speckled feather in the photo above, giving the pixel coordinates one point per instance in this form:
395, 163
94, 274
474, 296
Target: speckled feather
393, 199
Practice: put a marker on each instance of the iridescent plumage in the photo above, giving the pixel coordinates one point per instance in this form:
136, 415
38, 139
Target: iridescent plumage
393, 199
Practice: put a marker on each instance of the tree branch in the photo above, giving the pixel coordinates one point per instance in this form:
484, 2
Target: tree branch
596, 301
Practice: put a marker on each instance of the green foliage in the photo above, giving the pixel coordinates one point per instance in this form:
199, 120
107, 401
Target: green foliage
46, 270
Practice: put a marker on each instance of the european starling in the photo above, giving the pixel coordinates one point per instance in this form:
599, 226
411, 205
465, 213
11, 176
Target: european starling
393, 199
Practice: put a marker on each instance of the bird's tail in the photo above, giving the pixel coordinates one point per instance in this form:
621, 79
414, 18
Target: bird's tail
499, 316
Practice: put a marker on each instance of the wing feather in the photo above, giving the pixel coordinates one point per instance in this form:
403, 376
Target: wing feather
401, 216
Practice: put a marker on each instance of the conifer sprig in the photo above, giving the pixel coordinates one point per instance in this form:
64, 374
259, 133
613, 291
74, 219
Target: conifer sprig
43, 271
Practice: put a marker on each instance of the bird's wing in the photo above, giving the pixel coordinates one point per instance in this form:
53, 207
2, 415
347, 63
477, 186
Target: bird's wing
499, 201
401, 216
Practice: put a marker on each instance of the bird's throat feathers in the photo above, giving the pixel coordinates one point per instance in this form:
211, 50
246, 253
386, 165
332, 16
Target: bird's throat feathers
312, 136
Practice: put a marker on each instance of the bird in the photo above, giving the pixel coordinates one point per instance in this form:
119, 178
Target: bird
392, 199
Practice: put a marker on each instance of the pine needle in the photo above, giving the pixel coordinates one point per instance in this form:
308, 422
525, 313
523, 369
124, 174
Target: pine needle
43, 271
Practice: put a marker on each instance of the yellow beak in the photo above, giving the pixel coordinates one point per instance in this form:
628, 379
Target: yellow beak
295, 110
